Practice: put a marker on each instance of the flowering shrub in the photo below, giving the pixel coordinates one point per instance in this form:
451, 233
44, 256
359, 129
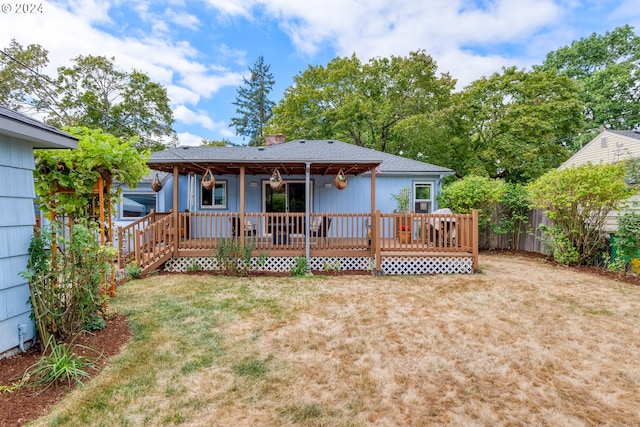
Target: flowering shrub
404, 227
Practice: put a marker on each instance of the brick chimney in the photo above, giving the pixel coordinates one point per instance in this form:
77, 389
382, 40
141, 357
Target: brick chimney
274, 139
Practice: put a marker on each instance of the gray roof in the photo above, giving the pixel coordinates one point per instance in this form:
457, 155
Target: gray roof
40, 134
628, 133
325, 156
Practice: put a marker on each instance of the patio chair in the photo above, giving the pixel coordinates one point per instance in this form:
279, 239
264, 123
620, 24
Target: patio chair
249, 227
443, 229
319, 226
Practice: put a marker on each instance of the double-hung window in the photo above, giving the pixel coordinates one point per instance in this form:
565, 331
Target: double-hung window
423, 197
215, 198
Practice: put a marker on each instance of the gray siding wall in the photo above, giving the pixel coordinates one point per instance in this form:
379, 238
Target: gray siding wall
17, 218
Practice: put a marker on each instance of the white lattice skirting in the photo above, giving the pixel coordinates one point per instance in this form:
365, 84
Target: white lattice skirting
390, 265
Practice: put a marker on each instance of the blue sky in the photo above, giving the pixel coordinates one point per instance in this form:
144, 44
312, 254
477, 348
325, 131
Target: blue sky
200, 49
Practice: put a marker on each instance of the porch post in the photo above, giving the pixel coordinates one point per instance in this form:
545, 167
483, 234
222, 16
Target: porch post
374, 220
242, 224
176, 212
307, 205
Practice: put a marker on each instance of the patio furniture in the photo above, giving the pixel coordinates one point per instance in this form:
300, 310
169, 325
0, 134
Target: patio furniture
319, 226
249, 227
442, 229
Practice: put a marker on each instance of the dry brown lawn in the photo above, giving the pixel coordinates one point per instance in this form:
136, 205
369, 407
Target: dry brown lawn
523, 342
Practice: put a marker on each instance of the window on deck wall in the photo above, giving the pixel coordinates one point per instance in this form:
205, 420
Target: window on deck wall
137, 205
423, 199
215, 198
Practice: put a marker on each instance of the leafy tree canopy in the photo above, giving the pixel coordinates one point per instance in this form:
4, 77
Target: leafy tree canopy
361, 103
512, 125
91, 93
608, 70
254, 108
215, 142
98, 154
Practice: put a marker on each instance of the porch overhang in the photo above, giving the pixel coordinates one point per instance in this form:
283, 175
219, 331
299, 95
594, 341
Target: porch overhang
253, 167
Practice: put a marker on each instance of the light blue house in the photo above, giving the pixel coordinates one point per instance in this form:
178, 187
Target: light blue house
324, 158
307, 213
19, 135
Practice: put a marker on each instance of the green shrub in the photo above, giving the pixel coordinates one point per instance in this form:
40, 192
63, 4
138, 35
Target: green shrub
300, 267
66, 280
133, 270
474, 192
232, 258
513, 213
627, 240
578, 200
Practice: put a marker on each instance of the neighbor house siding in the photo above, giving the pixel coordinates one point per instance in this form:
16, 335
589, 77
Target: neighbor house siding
17, 218
613, 149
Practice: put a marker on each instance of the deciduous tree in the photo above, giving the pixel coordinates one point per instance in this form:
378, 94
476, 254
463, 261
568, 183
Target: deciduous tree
91, 93
607, 68
512, 125
362, 103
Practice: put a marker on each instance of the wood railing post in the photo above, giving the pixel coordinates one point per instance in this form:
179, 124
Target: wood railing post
120, 248
136, 247
474, 240
376, 230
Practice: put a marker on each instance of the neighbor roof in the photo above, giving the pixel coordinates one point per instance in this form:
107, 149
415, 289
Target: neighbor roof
325, 157
40, 134
628, 133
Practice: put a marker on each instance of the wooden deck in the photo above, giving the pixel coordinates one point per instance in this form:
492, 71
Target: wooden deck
152, 240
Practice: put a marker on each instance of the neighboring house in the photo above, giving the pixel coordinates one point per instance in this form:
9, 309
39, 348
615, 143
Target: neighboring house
19, 135
610, 146
312, 214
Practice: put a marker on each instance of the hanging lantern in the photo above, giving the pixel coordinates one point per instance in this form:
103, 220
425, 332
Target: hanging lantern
156, 185
340, 181
276, 180
208, 181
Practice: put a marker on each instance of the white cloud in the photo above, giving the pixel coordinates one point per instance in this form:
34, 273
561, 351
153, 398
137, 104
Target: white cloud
186, 138
191, 117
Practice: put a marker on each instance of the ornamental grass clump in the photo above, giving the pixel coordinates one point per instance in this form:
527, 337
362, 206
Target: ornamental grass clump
60, 363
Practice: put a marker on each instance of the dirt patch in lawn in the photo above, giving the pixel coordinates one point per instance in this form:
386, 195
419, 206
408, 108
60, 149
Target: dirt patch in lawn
29, 402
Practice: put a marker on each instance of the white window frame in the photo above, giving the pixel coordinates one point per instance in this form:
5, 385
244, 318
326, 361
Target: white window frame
134, 193
213, 205
430, 202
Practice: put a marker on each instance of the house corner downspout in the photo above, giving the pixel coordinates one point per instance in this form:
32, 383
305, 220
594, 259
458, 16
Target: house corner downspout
307, 202
22, 332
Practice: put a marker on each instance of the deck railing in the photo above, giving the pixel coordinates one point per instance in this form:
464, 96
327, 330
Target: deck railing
279, 234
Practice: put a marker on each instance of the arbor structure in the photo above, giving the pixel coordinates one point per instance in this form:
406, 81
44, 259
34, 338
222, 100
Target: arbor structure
91, 93
607, 68
362, 103
254, 108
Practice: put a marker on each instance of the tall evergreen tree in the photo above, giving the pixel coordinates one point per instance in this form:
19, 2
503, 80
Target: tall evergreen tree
253, 103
